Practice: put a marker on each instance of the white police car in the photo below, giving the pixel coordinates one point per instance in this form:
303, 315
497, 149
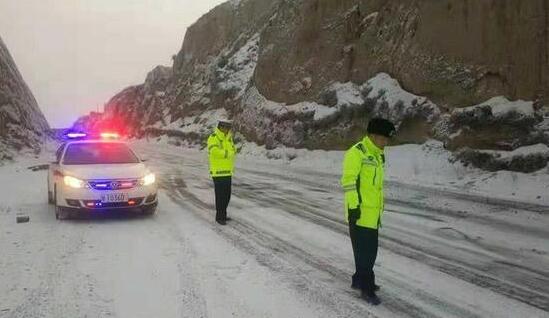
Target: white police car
101, 174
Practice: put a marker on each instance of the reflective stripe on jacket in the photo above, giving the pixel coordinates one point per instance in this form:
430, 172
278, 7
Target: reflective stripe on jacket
221, 154
362, 181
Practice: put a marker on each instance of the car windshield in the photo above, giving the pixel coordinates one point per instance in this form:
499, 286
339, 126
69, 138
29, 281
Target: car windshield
99, 153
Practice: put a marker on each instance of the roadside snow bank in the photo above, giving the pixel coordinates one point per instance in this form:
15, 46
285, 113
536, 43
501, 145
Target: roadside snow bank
428, 165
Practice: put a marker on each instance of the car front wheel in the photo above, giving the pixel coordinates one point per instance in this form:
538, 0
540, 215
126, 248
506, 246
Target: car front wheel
50, 198
60, 212
149, 210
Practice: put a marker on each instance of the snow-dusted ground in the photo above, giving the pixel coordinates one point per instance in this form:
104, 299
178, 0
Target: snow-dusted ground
444, 252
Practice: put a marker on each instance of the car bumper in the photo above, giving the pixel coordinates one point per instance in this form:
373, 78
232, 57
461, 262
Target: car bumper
91, 199
138, 209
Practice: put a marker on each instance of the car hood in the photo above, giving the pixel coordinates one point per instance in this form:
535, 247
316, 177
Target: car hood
110, 171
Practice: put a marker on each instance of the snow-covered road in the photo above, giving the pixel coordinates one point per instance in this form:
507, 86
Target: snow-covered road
285, 254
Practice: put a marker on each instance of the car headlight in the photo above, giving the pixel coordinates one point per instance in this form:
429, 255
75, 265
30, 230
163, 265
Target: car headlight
73, 182
148, 179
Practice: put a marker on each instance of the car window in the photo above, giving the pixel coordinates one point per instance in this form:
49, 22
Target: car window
99, 153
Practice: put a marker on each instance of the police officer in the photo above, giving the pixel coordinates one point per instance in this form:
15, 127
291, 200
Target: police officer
362, 181
221, 153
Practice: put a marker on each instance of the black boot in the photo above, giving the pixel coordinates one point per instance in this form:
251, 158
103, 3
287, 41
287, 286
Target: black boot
355, 285
371, 298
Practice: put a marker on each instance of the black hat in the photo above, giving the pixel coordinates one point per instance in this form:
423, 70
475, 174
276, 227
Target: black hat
225, 123
382, 127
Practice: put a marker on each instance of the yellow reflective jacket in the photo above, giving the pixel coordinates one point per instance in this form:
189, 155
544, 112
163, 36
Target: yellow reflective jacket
221, 153
362, 181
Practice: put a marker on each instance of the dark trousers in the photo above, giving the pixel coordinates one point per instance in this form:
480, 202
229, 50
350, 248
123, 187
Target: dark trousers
222, 196
365, 243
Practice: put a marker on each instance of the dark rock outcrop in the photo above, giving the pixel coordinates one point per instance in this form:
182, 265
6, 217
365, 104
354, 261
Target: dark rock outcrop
496, 124
22, 124
529, 159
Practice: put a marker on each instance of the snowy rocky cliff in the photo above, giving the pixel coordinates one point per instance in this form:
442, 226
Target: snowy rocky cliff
309, 74
22, 124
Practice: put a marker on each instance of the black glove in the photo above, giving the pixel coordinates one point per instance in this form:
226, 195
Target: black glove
354, 215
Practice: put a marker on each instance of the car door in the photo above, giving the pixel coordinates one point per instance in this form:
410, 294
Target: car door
54, 166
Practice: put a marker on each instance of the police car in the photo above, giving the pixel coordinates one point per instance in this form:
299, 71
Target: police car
99, 174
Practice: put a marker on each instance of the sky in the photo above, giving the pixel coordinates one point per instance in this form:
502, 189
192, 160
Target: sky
77, 54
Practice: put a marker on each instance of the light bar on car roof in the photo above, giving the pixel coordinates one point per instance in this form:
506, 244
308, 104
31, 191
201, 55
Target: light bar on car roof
76, 135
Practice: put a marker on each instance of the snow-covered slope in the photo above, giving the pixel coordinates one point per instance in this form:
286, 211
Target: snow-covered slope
22, 124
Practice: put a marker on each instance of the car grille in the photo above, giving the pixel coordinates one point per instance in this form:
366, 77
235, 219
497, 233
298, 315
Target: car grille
113, 184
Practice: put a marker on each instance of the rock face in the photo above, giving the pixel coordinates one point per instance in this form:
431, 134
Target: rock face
310, 73
457, 52
22, 124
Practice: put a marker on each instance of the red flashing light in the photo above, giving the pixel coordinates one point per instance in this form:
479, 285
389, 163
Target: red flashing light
109, 135
90, 204
131, 202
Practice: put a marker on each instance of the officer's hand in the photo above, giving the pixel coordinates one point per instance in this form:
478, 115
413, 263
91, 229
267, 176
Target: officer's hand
354, 215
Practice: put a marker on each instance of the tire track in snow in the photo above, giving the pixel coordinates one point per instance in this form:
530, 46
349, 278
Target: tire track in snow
339, 227
284, 249
454, 267
462, 271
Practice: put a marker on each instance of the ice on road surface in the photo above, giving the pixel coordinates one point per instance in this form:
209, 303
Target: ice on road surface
286, 253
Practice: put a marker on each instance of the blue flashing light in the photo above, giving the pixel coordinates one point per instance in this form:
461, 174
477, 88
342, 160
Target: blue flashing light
76, 135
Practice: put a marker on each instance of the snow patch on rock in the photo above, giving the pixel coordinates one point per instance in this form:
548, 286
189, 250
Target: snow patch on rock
206, 121
501, 106
239, 70
393, 102
254, 99
235, 3
348, 94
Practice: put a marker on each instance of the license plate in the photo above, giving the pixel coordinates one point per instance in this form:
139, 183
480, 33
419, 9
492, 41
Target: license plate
114, 197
